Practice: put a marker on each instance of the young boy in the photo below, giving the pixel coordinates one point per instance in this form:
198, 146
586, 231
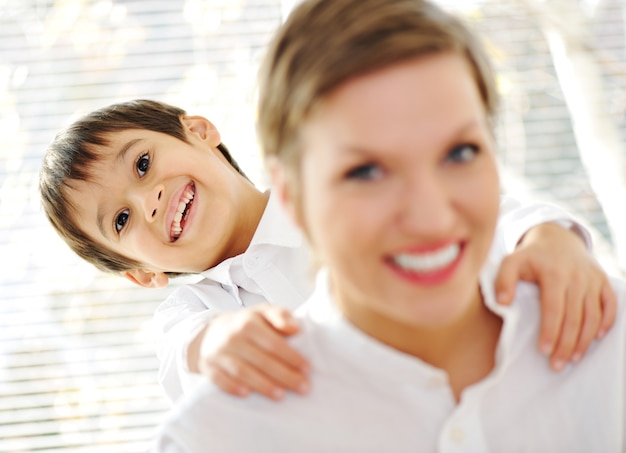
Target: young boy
376, 125
146, 191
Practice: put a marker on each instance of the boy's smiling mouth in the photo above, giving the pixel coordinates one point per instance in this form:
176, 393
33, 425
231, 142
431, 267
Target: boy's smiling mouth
182, 211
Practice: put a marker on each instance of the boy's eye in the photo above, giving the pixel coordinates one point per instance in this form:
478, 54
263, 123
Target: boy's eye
142, 164
365, 172
121, 219
462, 153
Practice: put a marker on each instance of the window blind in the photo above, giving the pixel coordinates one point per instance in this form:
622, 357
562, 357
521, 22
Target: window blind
77, 352
78, 369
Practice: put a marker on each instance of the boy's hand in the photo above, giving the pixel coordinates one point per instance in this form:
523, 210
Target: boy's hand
577, 301
246, 351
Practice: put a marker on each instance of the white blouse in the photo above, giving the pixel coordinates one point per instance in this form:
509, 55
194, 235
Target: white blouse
368, 397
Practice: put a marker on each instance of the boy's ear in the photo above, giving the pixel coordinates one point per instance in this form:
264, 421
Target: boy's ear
280, 185
147, 279
203, 128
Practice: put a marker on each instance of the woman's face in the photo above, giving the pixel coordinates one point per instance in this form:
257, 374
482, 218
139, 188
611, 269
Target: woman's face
399, 191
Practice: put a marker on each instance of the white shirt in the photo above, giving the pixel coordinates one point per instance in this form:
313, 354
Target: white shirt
275, 269
368, 397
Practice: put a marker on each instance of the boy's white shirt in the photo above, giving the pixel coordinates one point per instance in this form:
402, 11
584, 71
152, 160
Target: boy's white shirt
368, 397
275, 268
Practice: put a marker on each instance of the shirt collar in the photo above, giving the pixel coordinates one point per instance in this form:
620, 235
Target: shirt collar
519, 319
321, 309
275, 227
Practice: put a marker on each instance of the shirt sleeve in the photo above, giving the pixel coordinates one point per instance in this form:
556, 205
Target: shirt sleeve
165, 444
177, 321
516, 218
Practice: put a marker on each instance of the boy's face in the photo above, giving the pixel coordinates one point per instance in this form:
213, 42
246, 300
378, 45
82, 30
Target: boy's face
400, 193
170, 205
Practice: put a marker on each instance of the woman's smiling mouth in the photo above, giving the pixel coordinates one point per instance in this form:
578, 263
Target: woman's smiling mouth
428, 262
430, 267
182, 211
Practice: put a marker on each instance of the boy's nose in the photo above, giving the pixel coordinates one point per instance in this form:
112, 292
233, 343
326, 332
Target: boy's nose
153, 202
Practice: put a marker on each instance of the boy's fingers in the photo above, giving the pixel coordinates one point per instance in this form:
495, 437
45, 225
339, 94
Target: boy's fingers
245, 369
272, 342
552, 313
280, 319
609, 309
591, 324
277, 372
245, 353
242, 372
507, 278
226, 383
570, 329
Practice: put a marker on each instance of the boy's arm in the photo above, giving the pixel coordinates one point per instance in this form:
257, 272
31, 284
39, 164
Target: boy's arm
517, 218
176, 322
545, 245
205, 332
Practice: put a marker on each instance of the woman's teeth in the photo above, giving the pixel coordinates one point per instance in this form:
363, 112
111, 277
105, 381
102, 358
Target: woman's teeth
428, 262
178, 217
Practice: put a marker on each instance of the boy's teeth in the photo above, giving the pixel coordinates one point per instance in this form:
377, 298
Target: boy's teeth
427, 262
178, 217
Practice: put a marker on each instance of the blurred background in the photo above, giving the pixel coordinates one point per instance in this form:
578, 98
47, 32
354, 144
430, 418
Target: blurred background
77, 352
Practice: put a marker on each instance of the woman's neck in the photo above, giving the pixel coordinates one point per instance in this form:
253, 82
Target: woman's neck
465, 348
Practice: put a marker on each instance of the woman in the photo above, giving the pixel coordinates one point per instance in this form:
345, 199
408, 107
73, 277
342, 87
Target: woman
377, 127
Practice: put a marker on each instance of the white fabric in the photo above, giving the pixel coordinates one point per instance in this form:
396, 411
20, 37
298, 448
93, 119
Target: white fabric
275, 269
367, 397
517, 218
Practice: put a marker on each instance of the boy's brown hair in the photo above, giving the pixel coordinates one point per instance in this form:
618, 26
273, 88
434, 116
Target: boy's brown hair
325, 43
74, 150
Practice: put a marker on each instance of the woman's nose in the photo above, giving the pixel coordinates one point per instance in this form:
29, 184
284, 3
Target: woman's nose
428, 207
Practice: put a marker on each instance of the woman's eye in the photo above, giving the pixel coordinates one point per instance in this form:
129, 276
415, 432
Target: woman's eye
462, 153
143, 164
121, 219
365, 172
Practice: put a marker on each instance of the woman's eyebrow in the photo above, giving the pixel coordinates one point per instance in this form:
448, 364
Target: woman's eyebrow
462, 129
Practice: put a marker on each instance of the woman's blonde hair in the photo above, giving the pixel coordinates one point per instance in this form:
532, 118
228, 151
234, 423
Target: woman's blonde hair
325, 43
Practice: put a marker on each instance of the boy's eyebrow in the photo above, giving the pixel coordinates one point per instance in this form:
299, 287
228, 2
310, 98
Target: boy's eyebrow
100, 223
122, 152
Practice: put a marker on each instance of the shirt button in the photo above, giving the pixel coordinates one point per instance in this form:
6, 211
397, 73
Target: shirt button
437, 381
252, 261
457, 434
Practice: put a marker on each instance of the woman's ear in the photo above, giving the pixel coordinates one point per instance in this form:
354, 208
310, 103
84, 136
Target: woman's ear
146, 278
280, 179
203, 128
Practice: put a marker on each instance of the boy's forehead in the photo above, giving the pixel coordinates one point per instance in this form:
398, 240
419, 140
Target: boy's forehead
114, 149
110, 153
118, 141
